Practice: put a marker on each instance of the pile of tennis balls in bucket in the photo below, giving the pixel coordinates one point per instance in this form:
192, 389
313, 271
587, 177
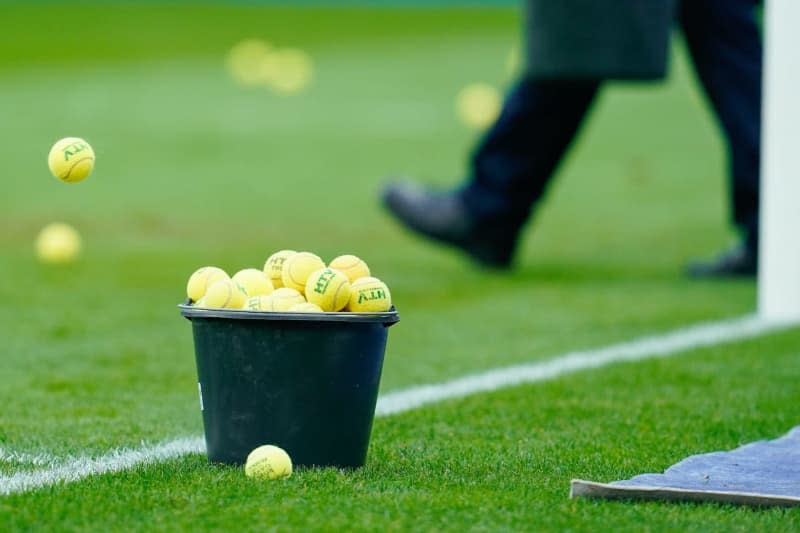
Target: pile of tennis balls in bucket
292, 282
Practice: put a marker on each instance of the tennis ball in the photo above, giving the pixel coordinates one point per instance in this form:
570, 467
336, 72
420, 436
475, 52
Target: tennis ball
478, 105
329, 289
244, 61
273, 268
287, 70
369, 295
351, 266
225, 294
268, 462
71, 159
201, 280
258, 303
284, 298
58, 243
305, 308
254, 281
298, 267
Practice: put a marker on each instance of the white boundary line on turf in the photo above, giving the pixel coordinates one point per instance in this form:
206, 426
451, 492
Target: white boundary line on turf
78, 468
649, 347
39, 459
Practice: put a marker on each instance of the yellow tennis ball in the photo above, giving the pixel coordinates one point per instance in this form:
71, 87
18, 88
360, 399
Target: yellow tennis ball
268, 462
254, 281
478, 105
273, 268
305, 308
284, 298
201, 280
351, 266
71, 159
58, 243
287, 70
298, 267
244, 61
258, 303
369, 295
329, 289
225, 294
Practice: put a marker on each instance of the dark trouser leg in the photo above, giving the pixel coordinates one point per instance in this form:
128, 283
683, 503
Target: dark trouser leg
519, 154
726, 49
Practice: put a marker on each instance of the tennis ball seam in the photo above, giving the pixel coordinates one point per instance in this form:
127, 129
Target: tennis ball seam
230, 294
336, 296
291, 277
68, 174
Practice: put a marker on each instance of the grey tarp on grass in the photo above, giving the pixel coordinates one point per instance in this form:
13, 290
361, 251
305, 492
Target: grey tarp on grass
759, 473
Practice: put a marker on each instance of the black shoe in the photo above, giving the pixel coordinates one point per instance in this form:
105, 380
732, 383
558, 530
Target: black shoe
737, 262
443, 217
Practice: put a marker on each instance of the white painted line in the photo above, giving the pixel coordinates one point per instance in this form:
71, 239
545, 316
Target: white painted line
706, 334
79, 468
39, 459
651, 347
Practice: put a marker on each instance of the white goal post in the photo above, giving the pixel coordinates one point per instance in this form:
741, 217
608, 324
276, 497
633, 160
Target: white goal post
779, 255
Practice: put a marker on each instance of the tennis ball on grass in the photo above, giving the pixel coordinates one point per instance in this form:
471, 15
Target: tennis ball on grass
298, 267
351, 266
268, 462
71, 159
224, 294
369, 295
202, 279
273, 268
329, 289
305, 308
58, 243
254, 281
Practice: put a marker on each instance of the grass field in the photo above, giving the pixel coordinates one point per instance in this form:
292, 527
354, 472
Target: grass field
193, 170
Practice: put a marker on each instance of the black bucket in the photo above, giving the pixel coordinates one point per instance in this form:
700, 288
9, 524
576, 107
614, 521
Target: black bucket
307, 382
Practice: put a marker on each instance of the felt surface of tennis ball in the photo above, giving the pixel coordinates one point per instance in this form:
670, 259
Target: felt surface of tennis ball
258, 303
305, 308
71, 159
273, 267
254, 281
351, 266
268, 462
225, 294
58, 243
298, 267
284, 298
478, 105
329, 289
244, 61
202, 279
369, 295
287, 70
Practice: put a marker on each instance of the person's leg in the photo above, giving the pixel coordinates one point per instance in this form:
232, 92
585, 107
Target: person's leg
510, 171
725, 45
519, 154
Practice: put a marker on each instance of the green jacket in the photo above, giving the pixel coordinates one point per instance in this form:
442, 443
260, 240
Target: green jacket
598, 39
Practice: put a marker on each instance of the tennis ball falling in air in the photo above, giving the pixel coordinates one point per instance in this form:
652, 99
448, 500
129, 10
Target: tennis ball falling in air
478, 105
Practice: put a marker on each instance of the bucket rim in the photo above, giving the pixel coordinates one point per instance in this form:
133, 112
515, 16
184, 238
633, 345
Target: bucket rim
388, 317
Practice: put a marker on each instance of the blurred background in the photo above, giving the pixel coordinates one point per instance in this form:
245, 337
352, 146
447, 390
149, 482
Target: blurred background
227, 130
